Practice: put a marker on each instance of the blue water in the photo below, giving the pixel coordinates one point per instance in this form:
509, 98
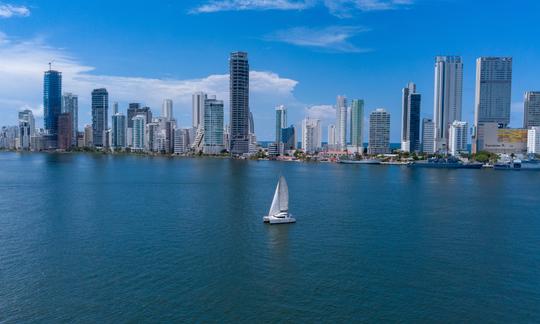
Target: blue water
96, 238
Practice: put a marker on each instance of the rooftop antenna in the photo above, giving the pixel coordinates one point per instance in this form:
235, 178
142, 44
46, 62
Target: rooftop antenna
50, 64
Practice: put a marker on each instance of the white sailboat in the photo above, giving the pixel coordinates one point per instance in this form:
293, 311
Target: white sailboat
279, 211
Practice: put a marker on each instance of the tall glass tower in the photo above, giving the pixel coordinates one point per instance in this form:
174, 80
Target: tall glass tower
239, 102
52, 101
357, 123
281, 121
100, 108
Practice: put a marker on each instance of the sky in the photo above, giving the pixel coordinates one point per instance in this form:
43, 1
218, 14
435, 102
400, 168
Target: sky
302, 53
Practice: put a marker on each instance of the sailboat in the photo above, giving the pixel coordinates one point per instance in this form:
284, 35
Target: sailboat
279, 211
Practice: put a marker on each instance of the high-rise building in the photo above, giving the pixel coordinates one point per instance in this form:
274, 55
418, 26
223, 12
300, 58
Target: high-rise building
24, 134
114, 108
167, 109
532, 109
139, 132
428, 136
288, 138
281, 121
458, 136
448, 97
181, 141
65, 131
197, 106
332, 136
239, 102
410, 122
28, 116
52, 105
379, 132
88, 136
135, 109
357, 123
341, 122
100, 109
533, 140
119, 131
213, 126
70, 104
311, 135
493, 95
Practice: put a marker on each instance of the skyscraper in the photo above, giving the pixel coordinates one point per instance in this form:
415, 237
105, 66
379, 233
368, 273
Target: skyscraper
135, 109
213, 126
239, 102
341, 122
379, 132
458, 136
197, 106
119, 131
139, 132
357, 124
70, 104
493, 94
24, 134
52, 104
311, 135
332, 136
410, 123
167, 109
281, 121
114, 108
532, 109
65, 131
100, 109
447, 97
428, 136
288, 138
28, 116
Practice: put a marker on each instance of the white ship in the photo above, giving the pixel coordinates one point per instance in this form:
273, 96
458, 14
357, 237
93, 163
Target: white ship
279, 211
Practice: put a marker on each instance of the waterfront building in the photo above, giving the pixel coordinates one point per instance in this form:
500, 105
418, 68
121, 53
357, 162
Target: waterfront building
410, 120
28, 116
239, 102
88, 136
52, 100
341, 122
65, 131
8, 137
379, 132
281, 121
311, 135
288, 138
80, 139
492, 95
458, 136
448, 97
100, 109
332, 136
181, 141
532, 109
499, 140
24, 135
357, 125
428, 136
119, 131
114, 108
167, 109
213, 126
533, 140
139, 132
70, 104
135, 109
275, 149
197, 108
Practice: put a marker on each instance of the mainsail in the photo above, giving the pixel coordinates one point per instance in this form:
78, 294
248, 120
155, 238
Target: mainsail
280, 203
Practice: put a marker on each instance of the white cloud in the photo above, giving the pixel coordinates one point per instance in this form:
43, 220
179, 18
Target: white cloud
325, 113
241, 5
334, 38
23, 64
8, 11
339, 8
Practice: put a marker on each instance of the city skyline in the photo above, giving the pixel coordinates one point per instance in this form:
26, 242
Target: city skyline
306, 79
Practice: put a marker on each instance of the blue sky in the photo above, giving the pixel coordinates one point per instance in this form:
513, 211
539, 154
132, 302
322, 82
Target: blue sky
304, 53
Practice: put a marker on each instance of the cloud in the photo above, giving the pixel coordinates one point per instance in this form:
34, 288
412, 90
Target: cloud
23, 63
9, 11
325, 113
241, 5
339, 8
333, 38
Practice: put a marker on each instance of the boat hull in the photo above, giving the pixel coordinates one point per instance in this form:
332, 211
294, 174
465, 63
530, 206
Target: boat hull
279, 220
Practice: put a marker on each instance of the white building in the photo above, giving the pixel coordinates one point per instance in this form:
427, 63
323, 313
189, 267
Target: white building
379, 132
332, 135
311, 135
167, 109
181, 141
139, 132
341, 122
447, 97
428, 136
533, 140
197, 107
532, 109
458, 136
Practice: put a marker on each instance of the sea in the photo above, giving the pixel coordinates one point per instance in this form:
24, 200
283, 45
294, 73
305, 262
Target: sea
95, 238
